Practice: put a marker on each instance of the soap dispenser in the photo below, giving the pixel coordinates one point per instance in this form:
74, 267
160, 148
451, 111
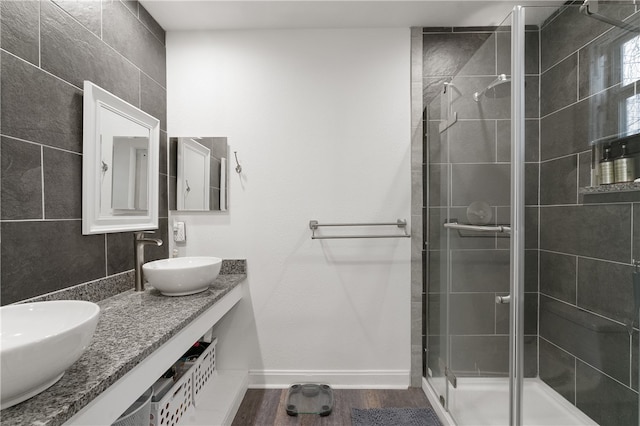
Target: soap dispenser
623, 167
607, 175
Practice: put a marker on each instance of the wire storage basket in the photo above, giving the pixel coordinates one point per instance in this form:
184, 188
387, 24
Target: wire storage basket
173, 405
138, 413
203, 370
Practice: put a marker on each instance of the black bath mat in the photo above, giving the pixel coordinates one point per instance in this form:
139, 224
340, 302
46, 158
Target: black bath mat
394, 417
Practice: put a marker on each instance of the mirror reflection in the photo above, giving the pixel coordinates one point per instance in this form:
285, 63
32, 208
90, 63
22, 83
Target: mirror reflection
130, 173
198, 168
124, 145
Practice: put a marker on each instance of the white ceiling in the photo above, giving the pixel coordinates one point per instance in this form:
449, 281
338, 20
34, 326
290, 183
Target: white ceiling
184, 15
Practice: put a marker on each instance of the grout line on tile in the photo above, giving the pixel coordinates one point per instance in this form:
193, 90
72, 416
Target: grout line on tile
584, 309
39, 144
581, 100
106, 261
633, 224
42, 179
578, 168
43, 70
38, 220
578, 76
39, 34
630, 359
601, 35
562, 156
495, 127
584, 257
577, 279
575, 380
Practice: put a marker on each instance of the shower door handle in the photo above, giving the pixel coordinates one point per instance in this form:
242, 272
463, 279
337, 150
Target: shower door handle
503, 299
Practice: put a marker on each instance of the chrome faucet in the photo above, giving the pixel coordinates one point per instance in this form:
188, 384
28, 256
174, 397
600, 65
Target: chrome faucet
140, 241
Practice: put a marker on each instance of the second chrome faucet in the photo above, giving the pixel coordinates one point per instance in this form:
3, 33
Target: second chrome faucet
140, 241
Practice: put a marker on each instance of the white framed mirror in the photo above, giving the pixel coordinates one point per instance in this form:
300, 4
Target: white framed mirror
199, 174
119, 165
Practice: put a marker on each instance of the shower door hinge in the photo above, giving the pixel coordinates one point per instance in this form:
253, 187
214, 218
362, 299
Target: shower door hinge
451, 377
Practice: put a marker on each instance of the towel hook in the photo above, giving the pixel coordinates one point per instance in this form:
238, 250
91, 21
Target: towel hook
238, 166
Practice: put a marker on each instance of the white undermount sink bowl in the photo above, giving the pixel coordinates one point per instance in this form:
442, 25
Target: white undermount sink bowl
38, 342
180, 276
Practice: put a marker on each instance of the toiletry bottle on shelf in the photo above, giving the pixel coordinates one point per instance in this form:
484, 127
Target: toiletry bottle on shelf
623, 167
606, 168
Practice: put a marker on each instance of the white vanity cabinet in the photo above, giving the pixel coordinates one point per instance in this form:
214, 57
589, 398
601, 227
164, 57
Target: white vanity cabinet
221, 396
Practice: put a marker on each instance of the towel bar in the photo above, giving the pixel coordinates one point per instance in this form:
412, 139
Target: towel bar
480, 228
400, 223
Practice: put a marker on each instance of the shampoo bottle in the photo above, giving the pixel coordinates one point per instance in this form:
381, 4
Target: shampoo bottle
623, 167
606, 168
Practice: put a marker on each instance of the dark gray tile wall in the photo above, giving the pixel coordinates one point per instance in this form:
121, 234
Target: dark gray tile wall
19, 34
635, 360
558, 178
22, 176
444, 55
120, 27
558, 276
419, 300
87, 13
586, 352
606, 288
47, 49
599, 231
74, 54
480, 355
604, 399
31, 105
557, 369
62, 177
575, 30
598, 341
636, 231
561, 81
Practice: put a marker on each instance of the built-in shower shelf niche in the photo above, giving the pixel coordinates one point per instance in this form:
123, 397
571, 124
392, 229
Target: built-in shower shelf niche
614, 187
608, 172
614, 193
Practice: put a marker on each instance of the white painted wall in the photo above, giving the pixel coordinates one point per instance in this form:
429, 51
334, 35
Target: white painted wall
321, 123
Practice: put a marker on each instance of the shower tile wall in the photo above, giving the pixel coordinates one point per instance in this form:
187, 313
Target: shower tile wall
470, 162
418, 254
47, 49
586, 352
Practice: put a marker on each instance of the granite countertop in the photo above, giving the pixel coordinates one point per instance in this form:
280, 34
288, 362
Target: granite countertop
132, 325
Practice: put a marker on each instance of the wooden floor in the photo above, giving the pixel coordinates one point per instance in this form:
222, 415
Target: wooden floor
266, 407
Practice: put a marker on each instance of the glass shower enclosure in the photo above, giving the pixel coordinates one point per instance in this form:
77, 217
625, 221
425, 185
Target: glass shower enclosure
531, 310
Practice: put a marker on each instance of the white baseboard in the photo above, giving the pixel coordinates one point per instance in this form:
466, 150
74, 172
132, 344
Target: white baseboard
338, 379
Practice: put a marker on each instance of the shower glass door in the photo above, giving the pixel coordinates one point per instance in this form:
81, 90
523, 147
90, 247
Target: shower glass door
470, 208
515, 139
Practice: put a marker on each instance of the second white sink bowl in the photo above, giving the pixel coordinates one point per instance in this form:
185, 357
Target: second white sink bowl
38, 342
180, 276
